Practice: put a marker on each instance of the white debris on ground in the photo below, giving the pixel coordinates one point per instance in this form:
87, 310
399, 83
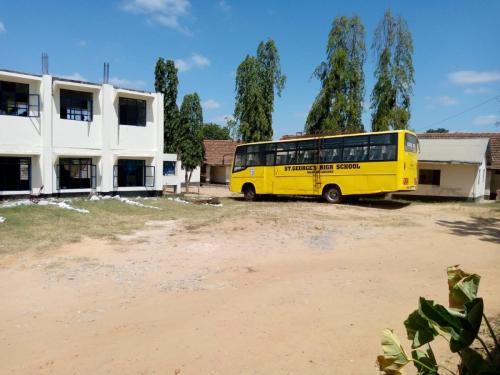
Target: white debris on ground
122, 199
44, 202
21, 202
213, 205
2, 219
179, 200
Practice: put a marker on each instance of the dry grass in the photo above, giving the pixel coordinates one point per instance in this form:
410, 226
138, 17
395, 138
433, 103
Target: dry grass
43, 227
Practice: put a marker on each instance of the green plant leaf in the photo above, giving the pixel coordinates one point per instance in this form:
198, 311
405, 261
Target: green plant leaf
425, 356
419, 329
476, 364
462, 286
394, 357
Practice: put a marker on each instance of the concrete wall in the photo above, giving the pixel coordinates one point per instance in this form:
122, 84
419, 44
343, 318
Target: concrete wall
179, 178
47, 138
457, 181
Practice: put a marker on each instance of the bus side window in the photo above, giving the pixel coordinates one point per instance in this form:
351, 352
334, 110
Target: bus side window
240, 159
383, 147
355, 149
268, 150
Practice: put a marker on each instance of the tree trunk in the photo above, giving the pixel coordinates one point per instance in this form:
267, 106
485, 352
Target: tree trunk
187, 179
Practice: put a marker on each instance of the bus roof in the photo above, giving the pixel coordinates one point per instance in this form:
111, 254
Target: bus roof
305, 137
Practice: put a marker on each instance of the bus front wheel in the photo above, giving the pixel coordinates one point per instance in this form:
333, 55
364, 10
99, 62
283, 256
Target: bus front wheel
332, 194
249, 193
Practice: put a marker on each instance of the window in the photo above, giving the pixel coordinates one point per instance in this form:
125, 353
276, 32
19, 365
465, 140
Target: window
14, 99
331, 151
429, 177
355, 149
253, 155
132, 112
76, 105
76, 174
15, 174
286, 153
130, 172
168, 168
307, 152
383, 147
410, 143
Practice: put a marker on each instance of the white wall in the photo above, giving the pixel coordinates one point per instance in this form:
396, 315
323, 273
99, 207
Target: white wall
48, 138
179, 178
457, 181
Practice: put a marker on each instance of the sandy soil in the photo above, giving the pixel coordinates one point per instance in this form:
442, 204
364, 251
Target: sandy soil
293, 287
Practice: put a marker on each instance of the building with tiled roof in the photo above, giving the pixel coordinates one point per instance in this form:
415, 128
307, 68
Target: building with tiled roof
219, 156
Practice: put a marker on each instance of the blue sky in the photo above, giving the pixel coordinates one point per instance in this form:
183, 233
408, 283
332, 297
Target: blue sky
457, 49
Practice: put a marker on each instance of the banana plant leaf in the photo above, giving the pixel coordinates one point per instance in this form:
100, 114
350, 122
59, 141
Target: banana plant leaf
419, 329
462, 287
394, 358
425, 356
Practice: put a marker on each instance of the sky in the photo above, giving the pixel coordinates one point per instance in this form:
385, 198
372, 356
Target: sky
456, 58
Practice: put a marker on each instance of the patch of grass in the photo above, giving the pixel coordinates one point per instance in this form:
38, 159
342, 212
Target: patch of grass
48, 227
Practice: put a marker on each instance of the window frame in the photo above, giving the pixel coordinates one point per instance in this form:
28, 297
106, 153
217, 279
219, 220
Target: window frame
140, 119
28, 107
174, 169
72, 105
77, 164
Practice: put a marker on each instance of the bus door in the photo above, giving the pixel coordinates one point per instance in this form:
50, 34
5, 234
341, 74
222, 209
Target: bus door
284, 181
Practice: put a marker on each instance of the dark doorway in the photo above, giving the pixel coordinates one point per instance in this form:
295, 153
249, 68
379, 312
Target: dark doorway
15, 174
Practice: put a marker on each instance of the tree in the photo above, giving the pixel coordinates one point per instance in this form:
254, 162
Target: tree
214, 131
339, 104
166, 82
437, 130
257, 80
390, 100
190, 141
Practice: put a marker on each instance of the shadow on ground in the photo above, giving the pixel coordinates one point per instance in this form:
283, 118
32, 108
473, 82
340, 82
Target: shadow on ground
486, 229
371, 203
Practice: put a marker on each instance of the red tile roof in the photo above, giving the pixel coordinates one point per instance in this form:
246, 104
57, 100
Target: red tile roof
219, 152
493, 148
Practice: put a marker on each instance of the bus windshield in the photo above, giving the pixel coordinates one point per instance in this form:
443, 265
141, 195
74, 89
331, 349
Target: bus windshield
410, 143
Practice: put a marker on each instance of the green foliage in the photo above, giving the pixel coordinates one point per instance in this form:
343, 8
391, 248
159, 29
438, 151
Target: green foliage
190, 146
459, 325
166, 82
214, 131
390, 100
257, 79
394, 357
437, 130
339, 104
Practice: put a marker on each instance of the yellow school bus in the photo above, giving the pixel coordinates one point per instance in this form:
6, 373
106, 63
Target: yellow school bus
334, 167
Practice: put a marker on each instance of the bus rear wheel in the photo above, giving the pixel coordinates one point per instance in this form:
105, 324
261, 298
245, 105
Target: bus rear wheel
332, 194
249, 193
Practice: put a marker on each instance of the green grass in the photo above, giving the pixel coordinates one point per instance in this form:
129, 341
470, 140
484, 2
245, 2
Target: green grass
48, 227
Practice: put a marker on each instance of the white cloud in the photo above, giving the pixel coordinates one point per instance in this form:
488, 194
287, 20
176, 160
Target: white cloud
224, 5
164, 12
125, 83
478, 91
486, 120
464, 77
195, 61
73, 76
2, 28
210, 104
222, 120
440, 101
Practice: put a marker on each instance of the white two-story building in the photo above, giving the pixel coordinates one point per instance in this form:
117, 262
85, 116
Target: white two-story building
62, 136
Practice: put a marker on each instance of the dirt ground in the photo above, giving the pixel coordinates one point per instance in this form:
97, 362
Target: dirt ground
292, 286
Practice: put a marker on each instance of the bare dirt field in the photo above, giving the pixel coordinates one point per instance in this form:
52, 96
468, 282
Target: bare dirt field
285, 286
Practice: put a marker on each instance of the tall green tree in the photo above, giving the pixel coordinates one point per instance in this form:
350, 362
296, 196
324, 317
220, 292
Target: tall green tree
258, 79
166, 82
339, 104
390, 100
190, 141
214, 131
